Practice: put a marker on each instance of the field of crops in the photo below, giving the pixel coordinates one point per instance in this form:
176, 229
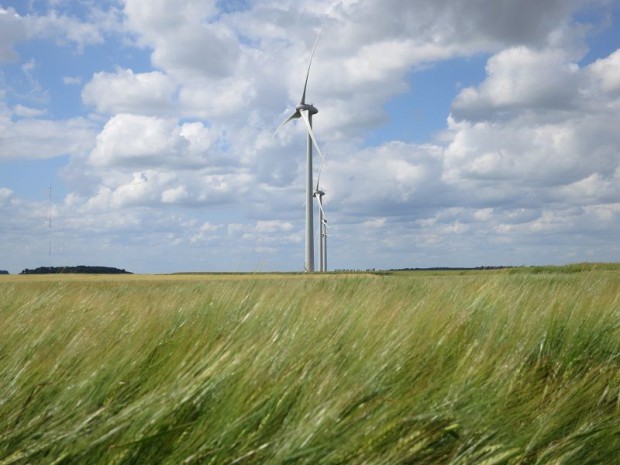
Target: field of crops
494, 367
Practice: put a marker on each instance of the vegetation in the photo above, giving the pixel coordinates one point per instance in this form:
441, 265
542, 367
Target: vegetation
81, 269
485, 367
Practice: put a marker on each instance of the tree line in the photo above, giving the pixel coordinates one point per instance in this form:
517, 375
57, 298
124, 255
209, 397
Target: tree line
81, 269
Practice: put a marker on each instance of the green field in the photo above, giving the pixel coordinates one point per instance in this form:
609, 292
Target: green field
514, 366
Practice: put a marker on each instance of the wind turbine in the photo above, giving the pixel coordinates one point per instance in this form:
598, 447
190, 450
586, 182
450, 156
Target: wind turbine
305, 112
322, 230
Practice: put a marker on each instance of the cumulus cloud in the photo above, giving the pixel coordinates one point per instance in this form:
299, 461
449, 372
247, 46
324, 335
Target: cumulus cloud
27, 112
127, 92
266, 233
386, 180
513, 143
521, 78
5, 195
226, 99
39, 138
162, 187
529, 152
147, 141
12, 30
174, 195
57, 24
184, 42
607, 70
152, 187
65, 28
530, 136
445, 21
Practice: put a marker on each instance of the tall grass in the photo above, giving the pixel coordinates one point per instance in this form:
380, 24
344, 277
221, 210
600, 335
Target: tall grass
478, 368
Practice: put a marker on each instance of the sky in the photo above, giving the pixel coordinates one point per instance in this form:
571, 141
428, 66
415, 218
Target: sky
458, 134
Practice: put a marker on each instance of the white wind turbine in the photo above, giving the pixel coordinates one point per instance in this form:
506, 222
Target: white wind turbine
318, 194
305, 112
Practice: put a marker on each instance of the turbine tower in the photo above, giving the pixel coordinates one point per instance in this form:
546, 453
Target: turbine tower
322, 229
305, 112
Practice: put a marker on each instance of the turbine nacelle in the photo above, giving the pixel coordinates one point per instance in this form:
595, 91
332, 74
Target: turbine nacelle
311, 109
318, 194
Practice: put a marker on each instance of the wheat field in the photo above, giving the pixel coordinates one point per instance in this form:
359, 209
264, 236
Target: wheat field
493, 367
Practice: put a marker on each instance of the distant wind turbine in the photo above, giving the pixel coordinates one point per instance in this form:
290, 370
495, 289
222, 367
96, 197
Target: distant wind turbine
305, 112
318, 194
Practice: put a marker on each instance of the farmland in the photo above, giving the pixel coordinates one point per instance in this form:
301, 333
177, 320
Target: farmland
518, 366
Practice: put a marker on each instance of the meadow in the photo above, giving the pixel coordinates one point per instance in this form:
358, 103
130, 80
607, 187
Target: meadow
514, 366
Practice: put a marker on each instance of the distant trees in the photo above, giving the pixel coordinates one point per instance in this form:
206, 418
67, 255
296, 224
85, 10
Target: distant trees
4, 272
81, 269
450, 268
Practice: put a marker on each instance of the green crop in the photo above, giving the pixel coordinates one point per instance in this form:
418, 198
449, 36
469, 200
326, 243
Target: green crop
497, 367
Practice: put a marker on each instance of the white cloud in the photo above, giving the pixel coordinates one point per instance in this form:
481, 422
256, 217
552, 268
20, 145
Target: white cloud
374, 223
157, 187
165, 186
144, 189
35, 92
38, 138
227, 98
185, 44
61, 24
266, 233
529, 152
12, 30
198, 50
72, 80
147, 141
389, 179
521, 78
27, 112
64, 28
379, 61
608, 71
273, 226
5, 195
526, 161
166, 16
539, 129
208, 232
174, 195
468, 27
593, 189
127, 92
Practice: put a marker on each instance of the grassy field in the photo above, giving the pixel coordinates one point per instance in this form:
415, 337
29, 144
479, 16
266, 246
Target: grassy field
498, 367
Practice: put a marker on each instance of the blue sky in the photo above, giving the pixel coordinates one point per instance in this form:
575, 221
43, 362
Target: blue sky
456, 133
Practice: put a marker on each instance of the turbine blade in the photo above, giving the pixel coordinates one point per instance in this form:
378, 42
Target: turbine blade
321, 208
318, 177
304, 116
316, 41
296, 114
323, 212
